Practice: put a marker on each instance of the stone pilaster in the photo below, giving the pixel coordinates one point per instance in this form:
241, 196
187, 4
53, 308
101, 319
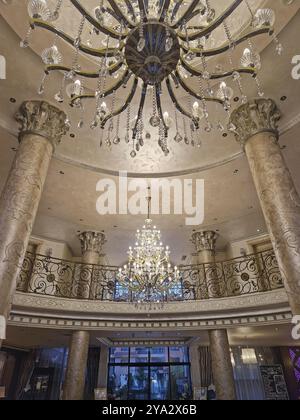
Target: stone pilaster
42, 127
255, 125
91, 247
77, 362
221, 365
205, 245
195, 369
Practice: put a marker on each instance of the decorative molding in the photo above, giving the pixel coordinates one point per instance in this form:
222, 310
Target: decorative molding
42, 119
254, 117
51, 312
92, 242
205, 240
143, 342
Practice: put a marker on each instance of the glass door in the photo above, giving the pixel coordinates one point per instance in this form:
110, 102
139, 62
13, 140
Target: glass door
138, 383
159, 383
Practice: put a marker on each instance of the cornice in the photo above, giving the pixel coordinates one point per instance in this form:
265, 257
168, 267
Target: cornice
52, 312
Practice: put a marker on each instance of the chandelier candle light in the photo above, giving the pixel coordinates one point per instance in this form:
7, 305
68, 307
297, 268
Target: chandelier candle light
149, 275
164, 46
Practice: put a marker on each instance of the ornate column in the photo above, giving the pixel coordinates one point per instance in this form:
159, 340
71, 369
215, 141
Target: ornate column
103, 373
221, 365
42, 127
91, 248
195, 369
205, 244
77, 362
255, 125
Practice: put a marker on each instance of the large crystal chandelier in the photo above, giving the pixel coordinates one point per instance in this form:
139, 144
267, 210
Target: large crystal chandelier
149, 276
164, 46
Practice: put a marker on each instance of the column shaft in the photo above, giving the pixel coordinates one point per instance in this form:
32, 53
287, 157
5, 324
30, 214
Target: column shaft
18, 207
195, 369
221, 365
76, 368
280, 203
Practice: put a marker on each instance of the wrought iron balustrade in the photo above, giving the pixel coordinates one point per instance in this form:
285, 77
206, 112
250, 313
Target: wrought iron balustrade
241, 276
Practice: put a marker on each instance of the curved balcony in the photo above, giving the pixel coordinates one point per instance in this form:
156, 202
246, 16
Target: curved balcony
242, 291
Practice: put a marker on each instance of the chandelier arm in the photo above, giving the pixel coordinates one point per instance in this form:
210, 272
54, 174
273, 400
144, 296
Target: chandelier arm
110, 52
143, 9
215, 76
178, 106
214, 25
193, 93
108, 92
141, 108
175, 10
95, 23
121, 15
164, 11
124, 106
131, 10
216, 51
186, 16
91, 75
159, 108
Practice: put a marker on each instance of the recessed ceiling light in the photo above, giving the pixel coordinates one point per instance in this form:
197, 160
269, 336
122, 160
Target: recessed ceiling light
13, 100
72, 135
283, 98
61, 172
258, 230
236, 172
236, 99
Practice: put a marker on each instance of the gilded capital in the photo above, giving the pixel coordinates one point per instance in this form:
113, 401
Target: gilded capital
92, 242
254, 117
43, 119
205, 240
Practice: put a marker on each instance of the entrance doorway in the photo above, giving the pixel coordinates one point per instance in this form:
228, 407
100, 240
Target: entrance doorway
140, 373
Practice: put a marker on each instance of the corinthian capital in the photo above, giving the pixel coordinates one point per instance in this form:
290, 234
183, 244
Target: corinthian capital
92, 242
256, 116
43, 119
205, 240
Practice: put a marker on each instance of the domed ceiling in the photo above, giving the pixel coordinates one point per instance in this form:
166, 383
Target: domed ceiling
68, 202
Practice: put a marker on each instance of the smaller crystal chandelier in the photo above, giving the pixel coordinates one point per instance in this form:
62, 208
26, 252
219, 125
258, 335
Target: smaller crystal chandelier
149, 275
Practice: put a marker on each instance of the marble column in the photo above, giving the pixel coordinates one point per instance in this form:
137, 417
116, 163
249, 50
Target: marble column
76, 369
221, 365
256, 129
91, 248
103, 373
195, 369
42, 128
205, 244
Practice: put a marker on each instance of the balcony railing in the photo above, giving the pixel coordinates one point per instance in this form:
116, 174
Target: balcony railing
241, 276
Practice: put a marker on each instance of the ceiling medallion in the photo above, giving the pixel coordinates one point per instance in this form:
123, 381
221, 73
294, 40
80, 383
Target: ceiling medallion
159, 45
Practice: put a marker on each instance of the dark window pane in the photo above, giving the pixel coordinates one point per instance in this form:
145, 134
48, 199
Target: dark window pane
119, 355
118, 383
138, 383
159, 355
159, 382
179, 355
139, 355
180, 383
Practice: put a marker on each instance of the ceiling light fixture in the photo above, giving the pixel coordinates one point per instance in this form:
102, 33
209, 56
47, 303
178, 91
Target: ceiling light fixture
160, 45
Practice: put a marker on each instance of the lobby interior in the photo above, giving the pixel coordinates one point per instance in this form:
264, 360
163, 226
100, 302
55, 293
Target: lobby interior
221, 322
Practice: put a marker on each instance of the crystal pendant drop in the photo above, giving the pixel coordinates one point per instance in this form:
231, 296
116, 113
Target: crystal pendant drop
81, 124
206, 75
51, 56
127, 139
155, 121
38, 9
169, 44
133, 154
59, 97
186, 140
178, 138
141, 44
141, 141
137, 147
116, 140
279, 49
